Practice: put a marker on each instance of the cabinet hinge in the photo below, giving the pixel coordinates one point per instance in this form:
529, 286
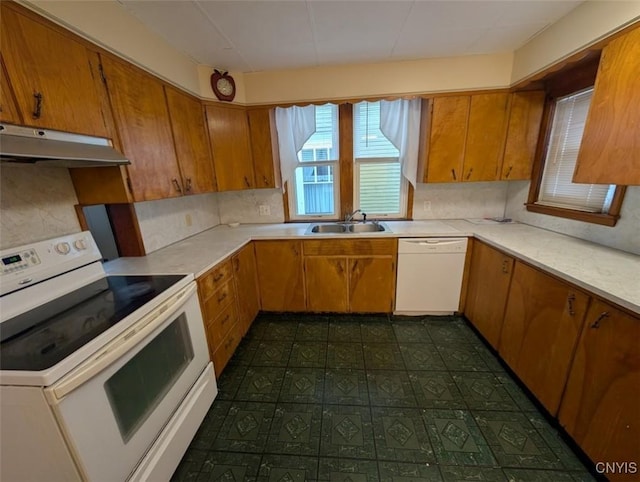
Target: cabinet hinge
129, 185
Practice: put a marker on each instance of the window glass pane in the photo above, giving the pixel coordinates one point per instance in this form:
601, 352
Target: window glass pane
379, 187
323, 143
557, 188
314, 191
369, 141
137, 388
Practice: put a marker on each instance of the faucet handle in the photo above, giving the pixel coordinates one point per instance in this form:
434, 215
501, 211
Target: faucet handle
364, 217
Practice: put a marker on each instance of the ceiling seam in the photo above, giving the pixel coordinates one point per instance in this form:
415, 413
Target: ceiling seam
313, 33
404, 23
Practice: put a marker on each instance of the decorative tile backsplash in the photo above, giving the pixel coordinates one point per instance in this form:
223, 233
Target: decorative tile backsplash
459, 200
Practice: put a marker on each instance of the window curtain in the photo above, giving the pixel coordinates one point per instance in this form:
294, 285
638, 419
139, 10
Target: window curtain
294, 126
400, 123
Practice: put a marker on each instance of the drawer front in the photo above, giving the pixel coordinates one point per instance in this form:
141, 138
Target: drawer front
214, 279
353, 247
225, 351
219, 300
218, 329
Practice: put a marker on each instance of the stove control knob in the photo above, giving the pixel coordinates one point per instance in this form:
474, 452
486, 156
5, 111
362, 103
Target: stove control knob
63, 248
80, 244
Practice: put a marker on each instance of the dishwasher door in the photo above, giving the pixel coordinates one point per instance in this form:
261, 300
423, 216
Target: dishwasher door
429, 275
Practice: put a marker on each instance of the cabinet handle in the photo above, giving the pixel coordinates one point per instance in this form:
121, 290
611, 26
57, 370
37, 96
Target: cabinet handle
236, 264
224, 320
570, 299
218, 277
266, 181
453, 173
508, 173
37, 107
505, 266
220, 298
601, 317
469, 173
188, 186
176, 185
246, 181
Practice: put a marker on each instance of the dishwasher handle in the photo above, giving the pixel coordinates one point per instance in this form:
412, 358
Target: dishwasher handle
432, 245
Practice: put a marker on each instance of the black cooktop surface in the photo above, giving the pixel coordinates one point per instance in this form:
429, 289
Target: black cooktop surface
40, 338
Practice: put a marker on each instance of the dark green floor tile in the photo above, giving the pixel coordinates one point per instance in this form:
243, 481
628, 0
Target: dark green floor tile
452, 473
190, 465
401, 435
382, 356
346, 386
483, 391
490, 359
246, 427
449, 330
342, 331
257, 329
245, 352
210, 426
531, 475
348, 470
347, 432
303, 385
345, 355
312, 354
436, 390
514, 441
280, 331
295, 429
312, 331
456, 439
229, 466
261, 384
516, 393
421, 356
377, 332
272, 354
405, 472
411, 332
390, 388
288, 468
230, 381
461, 357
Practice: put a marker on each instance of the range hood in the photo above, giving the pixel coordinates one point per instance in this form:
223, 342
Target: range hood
48, 148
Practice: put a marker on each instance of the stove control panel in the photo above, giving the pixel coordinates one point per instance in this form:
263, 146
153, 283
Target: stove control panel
19, 261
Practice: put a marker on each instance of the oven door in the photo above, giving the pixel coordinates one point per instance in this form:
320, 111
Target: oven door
113, 406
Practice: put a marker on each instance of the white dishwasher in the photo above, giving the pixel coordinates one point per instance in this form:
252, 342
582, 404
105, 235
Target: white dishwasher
429, 275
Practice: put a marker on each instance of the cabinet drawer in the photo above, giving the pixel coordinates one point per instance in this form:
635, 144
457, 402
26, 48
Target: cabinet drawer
354, 247
214, 279
218, 329
225, 351
219, 300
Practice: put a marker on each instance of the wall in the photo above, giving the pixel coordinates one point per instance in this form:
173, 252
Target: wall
459, 200
244, 206
624, 236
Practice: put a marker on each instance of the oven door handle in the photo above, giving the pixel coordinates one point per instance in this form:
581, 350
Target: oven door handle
121, 345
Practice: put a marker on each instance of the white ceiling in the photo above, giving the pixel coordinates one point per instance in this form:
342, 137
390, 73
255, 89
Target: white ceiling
250, 36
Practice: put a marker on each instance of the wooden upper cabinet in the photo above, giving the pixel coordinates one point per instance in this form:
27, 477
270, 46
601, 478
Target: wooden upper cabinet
264, 146
486, 135
142, 119
54, 78
229, 136
447, 137
280, 275
600, 408
191, 142
525, 117
8, 109
610, 148
542, 323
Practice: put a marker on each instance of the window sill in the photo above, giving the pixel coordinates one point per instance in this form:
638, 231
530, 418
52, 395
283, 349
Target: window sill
594, 218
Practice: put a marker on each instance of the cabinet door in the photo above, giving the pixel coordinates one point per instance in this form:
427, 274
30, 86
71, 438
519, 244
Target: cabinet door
142, 120
610, 148
372, 282
43, 63
229, 136
8, 110
326, 283
280, 275
264, 146
485, 137
541, 327
447, 136
191, 142
525, 117
600, 408
244, 268
489, 280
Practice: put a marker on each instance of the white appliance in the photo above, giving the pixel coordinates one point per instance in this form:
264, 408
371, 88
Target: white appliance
102, 378
429, 275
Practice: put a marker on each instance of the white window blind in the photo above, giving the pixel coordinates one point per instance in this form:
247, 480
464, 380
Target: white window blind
556, 188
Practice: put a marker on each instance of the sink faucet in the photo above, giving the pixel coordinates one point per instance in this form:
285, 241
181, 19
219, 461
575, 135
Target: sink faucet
349, 217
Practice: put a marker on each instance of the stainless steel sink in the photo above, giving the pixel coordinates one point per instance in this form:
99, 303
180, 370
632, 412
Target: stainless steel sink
346, 228
328, 228
366, 228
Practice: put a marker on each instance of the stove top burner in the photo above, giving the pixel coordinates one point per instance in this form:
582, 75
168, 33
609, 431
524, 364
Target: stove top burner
42, 337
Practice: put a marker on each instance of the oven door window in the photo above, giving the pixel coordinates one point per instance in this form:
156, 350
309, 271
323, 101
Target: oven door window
138, 387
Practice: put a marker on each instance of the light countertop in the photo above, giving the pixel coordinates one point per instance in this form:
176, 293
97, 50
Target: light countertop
612, 274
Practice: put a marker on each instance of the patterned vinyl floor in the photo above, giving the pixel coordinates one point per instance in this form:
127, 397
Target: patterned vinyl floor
363, 399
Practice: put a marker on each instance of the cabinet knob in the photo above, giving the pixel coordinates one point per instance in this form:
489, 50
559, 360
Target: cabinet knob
37, 106
602, 316
176, 185
266, 181
453, 173
188, 186
508, 173
469, 174
246, 181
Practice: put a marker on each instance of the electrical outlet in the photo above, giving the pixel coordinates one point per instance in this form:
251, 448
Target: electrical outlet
264, 210
427, 206
187, 220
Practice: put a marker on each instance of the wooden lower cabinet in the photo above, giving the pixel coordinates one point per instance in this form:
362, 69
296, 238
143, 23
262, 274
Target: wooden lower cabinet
280, 275
372, 282
600, 408
327, 283
487, 291
245, 277
542, 323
